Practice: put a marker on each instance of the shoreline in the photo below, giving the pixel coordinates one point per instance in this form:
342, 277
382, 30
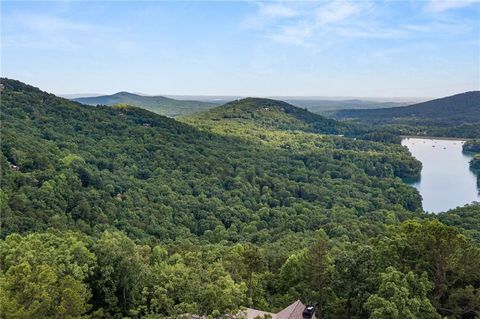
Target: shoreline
424, 137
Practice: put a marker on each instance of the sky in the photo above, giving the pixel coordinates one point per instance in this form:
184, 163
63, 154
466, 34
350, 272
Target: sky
365, 48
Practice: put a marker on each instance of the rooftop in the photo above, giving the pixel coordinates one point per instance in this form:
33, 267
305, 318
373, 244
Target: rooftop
293, 311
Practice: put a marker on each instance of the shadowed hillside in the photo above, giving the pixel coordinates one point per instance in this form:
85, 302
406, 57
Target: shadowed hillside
452, 110
326, 106
456, 115
157, 104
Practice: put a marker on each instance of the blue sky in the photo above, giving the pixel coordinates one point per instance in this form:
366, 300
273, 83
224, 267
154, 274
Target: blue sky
328, 48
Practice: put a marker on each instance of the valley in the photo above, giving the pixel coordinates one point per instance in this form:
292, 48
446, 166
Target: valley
240, 159
252, 203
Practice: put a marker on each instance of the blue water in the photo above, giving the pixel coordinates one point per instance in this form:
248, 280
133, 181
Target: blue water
446, 180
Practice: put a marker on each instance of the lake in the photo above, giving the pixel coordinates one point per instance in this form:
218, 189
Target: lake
446, 181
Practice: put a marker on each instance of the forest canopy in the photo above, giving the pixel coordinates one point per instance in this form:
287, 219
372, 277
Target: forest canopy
452, 116
114, 212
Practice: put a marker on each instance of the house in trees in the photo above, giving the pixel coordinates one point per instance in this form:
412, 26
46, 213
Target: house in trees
296, 310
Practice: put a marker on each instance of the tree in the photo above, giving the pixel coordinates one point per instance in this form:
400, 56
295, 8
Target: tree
316, 267
253, 261
449, 259
401, 296
44, 276
352, 278
121, 273
190, 283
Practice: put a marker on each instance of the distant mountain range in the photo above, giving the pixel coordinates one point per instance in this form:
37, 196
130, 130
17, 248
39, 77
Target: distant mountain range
327, 106
157, 104
457, 115
174, 106
456, 109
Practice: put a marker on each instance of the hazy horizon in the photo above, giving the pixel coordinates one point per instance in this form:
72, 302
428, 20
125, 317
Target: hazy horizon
220, 97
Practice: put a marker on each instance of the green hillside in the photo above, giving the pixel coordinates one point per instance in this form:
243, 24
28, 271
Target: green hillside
325, 106
157, 104
116, 212
268, 120
456, 115
271, 114
102, 162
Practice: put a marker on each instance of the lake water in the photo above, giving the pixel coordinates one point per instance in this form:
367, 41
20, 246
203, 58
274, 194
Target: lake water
447, 181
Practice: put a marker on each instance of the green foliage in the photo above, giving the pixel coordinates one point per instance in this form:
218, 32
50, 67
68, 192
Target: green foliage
272, 114
456, 109
455, 116
65, 275
472, 146
157, 104
330, 106
257, 206
475, 163
401, 296
158, 179
44, 276
449, 259
121, 273
466, 218
70, 158
191, 284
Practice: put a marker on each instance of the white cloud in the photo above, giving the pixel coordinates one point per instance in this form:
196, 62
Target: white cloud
43, 31
344, 19
336, 12
298, 23
443, 26
295, 34
310, 23
444, 5
371, 32
47, 23
269, 13
277, 10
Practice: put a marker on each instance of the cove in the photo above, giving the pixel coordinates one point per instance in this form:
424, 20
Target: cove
446, 180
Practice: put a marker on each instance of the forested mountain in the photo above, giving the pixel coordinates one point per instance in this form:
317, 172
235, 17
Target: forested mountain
113, 212
260, 117
273, 114
157, 104
456, 109
456, 115
171, 178
322, 106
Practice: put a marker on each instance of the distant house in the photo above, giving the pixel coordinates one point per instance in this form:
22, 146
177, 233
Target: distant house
296, 310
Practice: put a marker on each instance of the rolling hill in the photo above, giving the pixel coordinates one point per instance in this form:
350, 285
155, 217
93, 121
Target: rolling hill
452, 110
457, 115
271, 114
150, 175
184, 105
157, 104
119, 212
287, 127
259, 117
326, 106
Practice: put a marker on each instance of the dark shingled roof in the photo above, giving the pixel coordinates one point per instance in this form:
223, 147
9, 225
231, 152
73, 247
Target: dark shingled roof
294, 311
